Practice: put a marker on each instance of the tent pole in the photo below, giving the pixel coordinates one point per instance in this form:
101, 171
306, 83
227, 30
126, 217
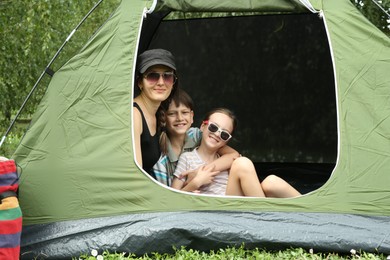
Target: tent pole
46, 70
381, 7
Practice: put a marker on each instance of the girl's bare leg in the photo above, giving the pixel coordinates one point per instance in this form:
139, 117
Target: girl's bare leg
274, 186
243, 180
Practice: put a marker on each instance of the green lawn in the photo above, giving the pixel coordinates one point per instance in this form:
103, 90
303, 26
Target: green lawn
235, 253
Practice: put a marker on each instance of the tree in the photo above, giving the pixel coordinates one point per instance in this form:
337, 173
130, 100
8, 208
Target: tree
377, 11
30, 35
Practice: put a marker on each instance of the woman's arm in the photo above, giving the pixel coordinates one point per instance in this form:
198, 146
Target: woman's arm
137, 126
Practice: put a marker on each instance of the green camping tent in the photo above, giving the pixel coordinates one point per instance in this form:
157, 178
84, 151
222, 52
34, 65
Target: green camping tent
81, 188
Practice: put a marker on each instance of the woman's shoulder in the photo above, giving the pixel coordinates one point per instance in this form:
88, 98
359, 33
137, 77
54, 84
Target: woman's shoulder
137, 106
137, 119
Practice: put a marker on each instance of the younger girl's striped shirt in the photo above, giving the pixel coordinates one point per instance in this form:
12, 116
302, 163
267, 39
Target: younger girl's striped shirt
166, 165
192, 161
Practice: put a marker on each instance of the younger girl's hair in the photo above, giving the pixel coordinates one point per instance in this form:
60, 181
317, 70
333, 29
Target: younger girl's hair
179, 97
225, 111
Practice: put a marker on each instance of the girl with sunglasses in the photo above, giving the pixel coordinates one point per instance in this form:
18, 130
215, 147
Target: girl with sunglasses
217, 129
156, 81
178, 136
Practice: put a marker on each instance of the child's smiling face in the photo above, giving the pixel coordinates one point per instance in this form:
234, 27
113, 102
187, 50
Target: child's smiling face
178, 119
224, 122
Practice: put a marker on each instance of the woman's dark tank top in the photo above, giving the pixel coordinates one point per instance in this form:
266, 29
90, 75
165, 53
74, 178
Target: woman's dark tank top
149, 145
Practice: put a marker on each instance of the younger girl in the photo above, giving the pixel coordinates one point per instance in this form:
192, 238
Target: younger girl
217, 129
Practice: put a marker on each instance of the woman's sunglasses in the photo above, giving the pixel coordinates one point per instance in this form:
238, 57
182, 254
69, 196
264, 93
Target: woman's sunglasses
213, 128
168, 77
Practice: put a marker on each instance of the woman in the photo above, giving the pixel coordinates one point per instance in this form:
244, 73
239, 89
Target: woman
156, 80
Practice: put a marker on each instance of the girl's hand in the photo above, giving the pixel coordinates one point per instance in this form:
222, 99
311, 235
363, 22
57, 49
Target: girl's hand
205, 175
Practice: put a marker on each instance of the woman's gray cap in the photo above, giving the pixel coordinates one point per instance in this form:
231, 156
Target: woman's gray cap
155, 57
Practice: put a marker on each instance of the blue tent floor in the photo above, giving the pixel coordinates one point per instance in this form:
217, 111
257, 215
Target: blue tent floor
205, 231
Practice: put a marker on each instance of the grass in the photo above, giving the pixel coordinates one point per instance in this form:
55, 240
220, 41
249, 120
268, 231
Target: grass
233, 253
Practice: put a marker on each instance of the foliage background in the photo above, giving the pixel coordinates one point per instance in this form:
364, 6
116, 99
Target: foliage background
32, 31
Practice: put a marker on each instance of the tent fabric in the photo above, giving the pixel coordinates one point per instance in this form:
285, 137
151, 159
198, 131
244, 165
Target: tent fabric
269, 6
159, 232
78, 160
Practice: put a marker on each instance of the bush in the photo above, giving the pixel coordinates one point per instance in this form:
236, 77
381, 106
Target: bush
10, 144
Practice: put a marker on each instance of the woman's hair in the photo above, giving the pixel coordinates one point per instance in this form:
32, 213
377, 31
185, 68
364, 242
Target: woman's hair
179, 97
225, 111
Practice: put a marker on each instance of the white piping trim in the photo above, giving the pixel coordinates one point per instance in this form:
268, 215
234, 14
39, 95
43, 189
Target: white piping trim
151, 10
322, 15
144, 13
308, 6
